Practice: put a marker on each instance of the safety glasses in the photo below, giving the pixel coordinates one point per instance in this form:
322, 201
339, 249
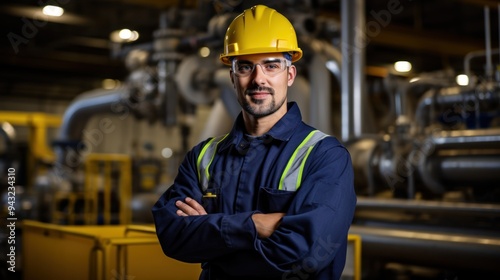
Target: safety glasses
270, 66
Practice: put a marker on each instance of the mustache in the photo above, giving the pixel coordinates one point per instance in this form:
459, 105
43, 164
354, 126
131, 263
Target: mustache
259, 89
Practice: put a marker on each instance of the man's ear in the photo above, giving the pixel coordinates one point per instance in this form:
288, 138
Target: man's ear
292, 73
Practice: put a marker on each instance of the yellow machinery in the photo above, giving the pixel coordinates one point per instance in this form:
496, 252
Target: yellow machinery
116, 252
107, 176
123, 186
38, 124
97, 253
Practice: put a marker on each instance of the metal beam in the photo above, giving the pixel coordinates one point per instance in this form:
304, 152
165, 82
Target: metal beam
411, 39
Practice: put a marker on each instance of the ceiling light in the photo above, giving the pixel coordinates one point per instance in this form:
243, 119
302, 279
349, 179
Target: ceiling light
462, 80
167, 152
402, 66
53, 11
124, 36
204, 52
110, 83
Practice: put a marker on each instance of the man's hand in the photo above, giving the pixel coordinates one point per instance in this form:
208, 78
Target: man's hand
266, 224
189, 207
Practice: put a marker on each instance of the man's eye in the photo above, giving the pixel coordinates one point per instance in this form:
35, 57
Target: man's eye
272, 66
244, 68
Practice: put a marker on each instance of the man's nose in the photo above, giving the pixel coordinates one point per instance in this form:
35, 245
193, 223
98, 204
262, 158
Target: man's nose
258, 74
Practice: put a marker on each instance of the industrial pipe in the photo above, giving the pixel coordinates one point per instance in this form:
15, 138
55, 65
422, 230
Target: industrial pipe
327, 58
82, 109
471, 55
353, 63
433, 248
450, 97
478, 171
462, 164
421, 206
467, 139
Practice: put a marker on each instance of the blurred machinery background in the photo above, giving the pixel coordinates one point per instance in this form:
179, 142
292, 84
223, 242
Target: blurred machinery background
98, 106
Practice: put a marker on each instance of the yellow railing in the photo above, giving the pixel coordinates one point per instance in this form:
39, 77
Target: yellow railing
355, 240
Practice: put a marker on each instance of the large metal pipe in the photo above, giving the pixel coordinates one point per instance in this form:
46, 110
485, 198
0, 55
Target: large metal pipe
223, 81
353, 62
327, 58
478, 171
218, 121
320, 97
421, 85
331, 53
420, 206
430, 248
474, 54
83, 108
466, 139
87, 105
448, 156
454, 97
489, 63
443, 161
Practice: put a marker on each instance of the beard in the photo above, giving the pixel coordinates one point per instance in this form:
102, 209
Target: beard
258, 107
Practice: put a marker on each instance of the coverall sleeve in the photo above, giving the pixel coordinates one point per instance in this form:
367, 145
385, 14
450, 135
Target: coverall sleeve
197, 238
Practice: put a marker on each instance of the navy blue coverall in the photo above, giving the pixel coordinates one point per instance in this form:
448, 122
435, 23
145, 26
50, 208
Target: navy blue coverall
311, 240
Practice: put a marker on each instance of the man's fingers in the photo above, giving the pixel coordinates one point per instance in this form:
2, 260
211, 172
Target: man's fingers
196, 206
266, 224
180, 213
184, 209
189, 208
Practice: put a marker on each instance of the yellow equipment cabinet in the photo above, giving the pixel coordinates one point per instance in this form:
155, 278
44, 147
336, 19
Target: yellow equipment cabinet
98, 253
116, 252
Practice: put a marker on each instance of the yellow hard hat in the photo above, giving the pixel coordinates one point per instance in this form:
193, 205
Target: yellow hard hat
260, 29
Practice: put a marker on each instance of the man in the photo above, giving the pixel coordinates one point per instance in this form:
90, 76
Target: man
274, 198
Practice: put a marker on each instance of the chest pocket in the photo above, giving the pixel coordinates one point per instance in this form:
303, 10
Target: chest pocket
270, 199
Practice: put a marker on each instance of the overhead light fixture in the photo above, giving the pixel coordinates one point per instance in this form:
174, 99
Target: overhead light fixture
204, 51
53, 11
402, 66
110, 83
124, 36
167, 152
462, 80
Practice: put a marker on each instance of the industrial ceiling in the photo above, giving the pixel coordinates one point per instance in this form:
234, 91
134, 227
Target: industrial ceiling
59, 58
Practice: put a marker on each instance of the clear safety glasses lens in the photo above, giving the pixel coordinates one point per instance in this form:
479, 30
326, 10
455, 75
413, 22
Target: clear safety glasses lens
270, 66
